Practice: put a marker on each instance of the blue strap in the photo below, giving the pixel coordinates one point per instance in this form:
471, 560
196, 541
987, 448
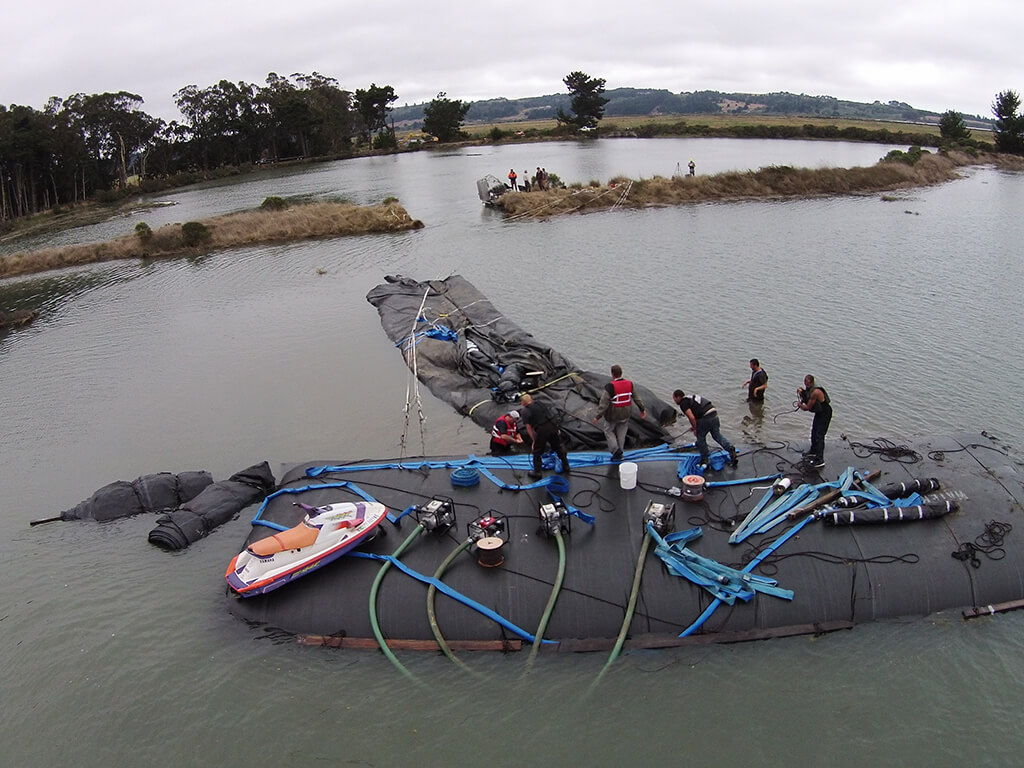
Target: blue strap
588, 519
699, 621
741, 481
442, 587
257, 520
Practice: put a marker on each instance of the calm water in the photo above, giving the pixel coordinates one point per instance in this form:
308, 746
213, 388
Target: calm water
116, 653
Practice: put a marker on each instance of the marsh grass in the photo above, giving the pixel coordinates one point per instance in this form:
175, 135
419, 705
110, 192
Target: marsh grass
272, 225
773, 182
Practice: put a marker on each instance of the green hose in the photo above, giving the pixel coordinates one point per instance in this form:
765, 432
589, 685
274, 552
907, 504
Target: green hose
549, 609
630, 606
432, 615
373, 602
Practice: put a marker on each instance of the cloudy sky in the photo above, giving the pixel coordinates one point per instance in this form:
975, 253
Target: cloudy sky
933, 54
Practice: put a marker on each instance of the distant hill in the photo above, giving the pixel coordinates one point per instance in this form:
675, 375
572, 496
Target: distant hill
634, 102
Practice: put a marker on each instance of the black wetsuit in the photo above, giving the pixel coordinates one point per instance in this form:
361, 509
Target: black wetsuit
822, 411
759, 377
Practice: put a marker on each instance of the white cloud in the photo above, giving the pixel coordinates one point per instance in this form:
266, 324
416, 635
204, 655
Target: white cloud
933, 57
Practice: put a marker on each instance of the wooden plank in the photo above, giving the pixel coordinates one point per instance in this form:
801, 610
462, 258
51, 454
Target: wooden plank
333, 641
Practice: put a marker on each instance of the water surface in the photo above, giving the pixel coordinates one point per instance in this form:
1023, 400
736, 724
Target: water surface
116, 653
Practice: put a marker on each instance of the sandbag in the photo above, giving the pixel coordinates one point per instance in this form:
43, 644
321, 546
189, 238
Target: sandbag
149, 493
214, 506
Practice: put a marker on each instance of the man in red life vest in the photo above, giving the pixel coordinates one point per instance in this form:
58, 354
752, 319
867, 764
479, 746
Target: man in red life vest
505, 434
512, 179
616, 406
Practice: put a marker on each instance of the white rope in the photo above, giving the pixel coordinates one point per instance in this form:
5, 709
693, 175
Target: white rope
412, 386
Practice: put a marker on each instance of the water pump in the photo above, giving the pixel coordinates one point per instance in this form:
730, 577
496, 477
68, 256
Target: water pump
554, 517
662, 517
492, 523
438, 514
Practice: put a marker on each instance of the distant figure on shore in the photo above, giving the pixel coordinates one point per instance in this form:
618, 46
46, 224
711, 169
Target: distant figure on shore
526, 181
512, 180
693, 167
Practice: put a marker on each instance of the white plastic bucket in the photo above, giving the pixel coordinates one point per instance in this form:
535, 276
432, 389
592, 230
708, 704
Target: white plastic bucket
627, 475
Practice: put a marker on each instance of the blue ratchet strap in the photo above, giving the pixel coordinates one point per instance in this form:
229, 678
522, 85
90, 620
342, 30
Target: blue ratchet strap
455, 595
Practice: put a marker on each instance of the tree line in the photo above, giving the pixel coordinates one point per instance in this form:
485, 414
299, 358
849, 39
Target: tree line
88, 146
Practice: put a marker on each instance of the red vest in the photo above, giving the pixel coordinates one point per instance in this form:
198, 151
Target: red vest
622, 393
504, 437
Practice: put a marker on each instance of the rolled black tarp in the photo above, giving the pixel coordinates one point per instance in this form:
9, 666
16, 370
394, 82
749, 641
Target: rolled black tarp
474, 358
149, 493
218, 503
873, 515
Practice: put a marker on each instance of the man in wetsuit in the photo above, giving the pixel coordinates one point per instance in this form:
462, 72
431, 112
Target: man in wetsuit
757, 383
815, 399
703, 418
543, 430
616, 406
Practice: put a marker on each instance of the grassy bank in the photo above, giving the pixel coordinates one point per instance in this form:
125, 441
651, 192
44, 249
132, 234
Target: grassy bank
774, 182
275, 222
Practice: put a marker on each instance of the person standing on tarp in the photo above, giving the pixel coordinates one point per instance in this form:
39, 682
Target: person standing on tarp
543, 430
512, 179
815, 399
703, 417
616, 407
505, 433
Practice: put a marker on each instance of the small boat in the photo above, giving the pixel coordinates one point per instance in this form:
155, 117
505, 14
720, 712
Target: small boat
324, 534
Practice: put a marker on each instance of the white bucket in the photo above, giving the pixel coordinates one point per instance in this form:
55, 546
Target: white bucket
627, 475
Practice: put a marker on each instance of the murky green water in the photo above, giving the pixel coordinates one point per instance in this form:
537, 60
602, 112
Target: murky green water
116, 653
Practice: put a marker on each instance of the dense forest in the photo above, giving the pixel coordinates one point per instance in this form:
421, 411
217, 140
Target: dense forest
97, 146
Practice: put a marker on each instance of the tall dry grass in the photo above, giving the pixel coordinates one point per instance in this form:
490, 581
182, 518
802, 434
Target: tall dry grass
774, 182
298, 222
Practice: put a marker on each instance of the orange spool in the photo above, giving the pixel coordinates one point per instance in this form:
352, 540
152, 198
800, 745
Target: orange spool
693, 488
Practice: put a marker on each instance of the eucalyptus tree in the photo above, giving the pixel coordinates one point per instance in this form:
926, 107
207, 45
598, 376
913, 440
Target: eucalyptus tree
113, 130
330, 107
225, 122
373, 105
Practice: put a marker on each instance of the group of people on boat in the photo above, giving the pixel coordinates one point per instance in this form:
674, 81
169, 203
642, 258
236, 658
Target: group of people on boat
615, 408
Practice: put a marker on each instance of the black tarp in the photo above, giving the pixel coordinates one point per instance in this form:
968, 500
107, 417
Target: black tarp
218, 503
480, 361
149, 493
839, 576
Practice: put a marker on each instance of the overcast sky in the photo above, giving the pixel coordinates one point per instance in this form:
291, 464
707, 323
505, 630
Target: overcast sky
932, 54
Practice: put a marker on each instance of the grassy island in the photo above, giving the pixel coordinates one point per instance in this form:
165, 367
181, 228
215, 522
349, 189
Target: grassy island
276, 221
900, 170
